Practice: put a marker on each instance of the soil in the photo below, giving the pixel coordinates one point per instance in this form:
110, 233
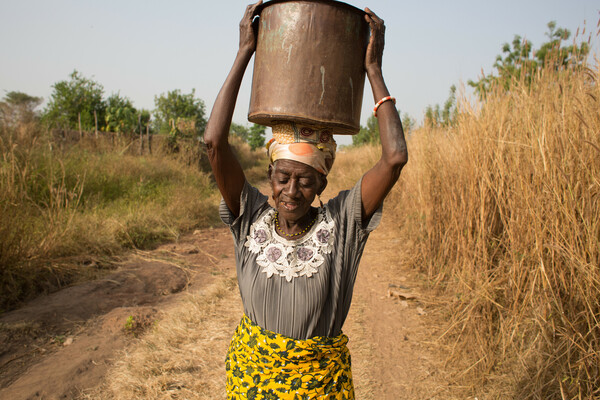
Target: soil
61, 344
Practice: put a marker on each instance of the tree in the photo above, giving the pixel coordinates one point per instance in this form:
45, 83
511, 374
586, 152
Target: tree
256, 136
408, 123
240, 131
521, 62
436, 116
368, 134
75, 99
18, 107
120, 115
144, 119
179, 114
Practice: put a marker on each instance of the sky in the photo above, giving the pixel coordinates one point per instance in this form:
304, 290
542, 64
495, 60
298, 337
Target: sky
142, 48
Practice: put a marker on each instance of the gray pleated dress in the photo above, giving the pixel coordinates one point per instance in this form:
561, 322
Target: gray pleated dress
299, 288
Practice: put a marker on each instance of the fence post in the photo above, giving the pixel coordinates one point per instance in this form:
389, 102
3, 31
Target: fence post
96, 124
141, 134
149, 138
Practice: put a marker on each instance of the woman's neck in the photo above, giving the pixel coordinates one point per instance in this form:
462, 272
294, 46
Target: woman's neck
295, 229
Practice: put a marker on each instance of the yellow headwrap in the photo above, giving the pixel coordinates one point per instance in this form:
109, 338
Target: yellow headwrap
312, 146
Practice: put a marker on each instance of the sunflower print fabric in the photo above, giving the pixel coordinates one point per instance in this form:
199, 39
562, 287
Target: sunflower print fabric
265, 365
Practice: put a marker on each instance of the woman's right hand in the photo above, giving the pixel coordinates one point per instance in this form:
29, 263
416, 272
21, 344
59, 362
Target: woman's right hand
374, 55
249, 28
226, 168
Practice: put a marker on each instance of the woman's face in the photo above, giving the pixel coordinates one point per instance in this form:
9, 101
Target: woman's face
294, 186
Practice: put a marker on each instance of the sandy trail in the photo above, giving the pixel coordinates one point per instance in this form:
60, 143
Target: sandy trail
392, 330
62, 345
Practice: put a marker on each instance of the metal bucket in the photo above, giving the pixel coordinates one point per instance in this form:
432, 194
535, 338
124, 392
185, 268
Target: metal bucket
309, 64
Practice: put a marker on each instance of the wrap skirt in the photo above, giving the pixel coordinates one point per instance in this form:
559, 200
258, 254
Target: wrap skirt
262, 364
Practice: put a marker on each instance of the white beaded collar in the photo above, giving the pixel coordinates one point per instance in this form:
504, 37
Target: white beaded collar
290, 258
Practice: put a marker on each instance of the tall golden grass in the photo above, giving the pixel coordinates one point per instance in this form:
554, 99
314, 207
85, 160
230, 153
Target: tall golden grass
503, 212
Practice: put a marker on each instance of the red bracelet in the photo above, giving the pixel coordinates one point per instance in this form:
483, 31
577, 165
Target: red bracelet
380, 102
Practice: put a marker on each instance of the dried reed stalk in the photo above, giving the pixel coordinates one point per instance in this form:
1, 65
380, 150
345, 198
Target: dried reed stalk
503, 209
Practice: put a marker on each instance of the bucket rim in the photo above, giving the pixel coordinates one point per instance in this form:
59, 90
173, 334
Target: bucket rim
330, 2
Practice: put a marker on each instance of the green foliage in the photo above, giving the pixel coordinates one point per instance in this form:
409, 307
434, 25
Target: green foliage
408, 123
129, 324
18, 107
368, 134
179, 114
256, 136
121, 116
22, 99
143, 119
71, 99
437, 116
520, 61
59, 203
240, 131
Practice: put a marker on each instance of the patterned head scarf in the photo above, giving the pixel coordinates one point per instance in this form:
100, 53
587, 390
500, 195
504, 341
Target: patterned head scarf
308, 145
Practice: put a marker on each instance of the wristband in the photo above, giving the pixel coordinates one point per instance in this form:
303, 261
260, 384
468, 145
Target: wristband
380, 102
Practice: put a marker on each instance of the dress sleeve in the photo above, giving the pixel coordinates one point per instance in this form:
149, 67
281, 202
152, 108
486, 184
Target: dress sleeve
347, 207
252, 204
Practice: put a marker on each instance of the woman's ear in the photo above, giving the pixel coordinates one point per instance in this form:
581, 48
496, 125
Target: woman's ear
270, 171
323, 184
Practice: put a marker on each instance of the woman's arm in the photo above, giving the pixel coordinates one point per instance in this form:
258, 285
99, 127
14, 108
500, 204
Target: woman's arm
380, 179
226, 168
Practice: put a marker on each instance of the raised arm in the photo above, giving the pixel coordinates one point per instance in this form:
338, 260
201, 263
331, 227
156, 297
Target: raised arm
226, 168
380, 179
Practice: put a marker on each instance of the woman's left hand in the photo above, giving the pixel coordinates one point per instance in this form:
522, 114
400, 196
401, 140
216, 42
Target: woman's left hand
379, 180
248, 28
374, 56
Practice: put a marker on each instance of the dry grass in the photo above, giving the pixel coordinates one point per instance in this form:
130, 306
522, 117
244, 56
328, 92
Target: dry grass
350, 164
503, 210
66, 200
183, 355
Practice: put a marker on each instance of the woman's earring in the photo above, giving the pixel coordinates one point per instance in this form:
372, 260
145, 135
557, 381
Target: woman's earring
320, 202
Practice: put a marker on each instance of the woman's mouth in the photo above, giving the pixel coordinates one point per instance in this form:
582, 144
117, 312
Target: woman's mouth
289, 206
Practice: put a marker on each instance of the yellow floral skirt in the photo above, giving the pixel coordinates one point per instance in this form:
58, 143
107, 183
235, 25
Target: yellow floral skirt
265, 365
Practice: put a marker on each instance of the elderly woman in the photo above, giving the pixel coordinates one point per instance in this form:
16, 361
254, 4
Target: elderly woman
296, 264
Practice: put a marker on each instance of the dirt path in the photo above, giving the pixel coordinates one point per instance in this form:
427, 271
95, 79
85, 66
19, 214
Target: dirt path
61, 345
392, 330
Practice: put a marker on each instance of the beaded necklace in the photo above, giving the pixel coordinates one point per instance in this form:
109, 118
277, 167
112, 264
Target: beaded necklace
293, 234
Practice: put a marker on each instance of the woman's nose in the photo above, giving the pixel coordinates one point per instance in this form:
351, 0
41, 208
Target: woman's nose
292, 188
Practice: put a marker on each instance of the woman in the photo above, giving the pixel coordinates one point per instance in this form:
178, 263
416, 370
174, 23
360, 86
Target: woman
297, 264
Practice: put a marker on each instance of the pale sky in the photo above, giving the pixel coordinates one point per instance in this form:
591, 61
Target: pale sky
144, 48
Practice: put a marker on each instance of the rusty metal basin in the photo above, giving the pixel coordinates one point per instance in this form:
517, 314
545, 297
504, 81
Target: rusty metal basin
309, 64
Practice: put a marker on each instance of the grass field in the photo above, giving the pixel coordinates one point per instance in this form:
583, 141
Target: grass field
65, 210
